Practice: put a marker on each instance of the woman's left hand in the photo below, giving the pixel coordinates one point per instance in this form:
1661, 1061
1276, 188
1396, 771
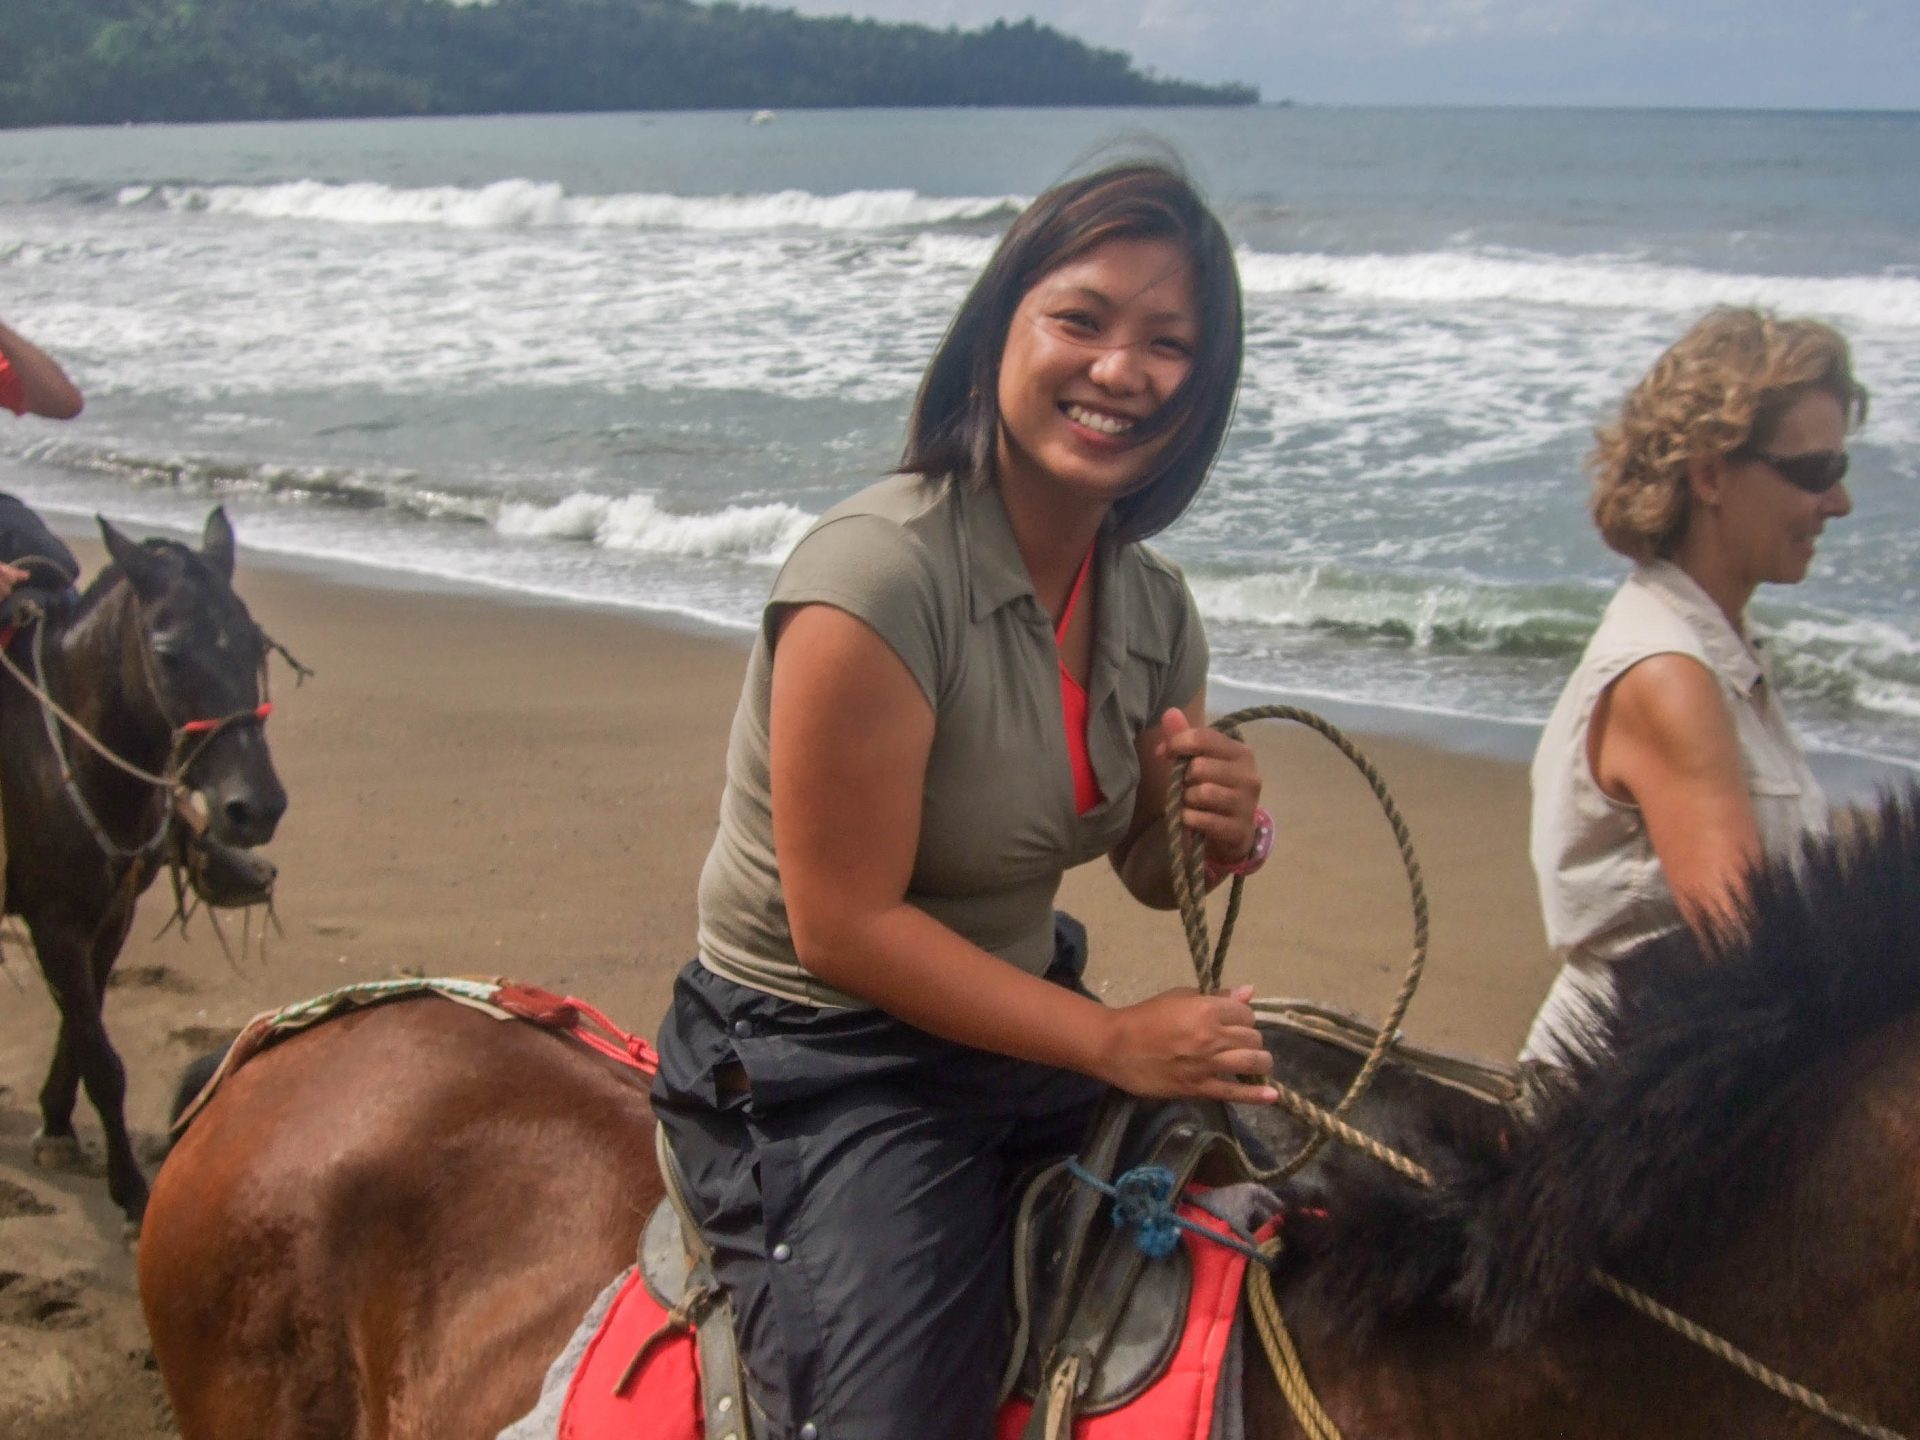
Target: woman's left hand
1222, 786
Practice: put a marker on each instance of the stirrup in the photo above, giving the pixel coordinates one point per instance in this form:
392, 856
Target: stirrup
677, 1267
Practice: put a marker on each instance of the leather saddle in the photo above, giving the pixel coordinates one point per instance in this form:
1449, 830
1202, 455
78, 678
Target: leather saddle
1095, 1320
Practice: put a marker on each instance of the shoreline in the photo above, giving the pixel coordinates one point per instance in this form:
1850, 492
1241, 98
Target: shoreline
1848, 777
1474, 792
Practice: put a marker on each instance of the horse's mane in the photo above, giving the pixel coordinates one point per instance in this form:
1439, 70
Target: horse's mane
1661, 1127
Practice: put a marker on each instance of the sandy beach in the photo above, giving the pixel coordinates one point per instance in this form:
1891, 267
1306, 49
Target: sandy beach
485, 785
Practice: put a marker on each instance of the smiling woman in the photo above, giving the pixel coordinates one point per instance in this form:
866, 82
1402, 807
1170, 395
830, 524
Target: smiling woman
1668, 768
1096, 351
968, 679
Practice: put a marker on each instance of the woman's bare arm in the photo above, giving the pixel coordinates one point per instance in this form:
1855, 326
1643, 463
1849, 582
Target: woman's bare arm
48, 390
850, 737
1661, 739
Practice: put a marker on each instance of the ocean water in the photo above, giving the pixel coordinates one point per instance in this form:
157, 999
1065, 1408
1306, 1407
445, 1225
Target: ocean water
626, 358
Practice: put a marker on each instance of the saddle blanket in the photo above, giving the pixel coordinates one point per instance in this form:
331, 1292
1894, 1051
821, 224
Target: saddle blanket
502, 999
595, 1390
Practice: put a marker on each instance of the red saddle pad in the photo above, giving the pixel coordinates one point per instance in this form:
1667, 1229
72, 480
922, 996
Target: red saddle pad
609, 1399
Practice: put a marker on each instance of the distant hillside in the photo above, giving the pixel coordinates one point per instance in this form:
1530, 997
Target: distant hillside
107, 61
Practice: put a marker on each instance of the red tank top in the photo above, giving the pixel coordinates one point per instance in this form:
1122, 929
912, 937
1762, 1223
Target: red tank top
1073, 705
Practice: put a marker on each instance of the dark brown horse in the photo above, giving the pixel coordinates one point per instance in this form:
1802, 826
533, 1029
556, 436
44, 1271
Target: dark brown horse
161, 664
387, 1225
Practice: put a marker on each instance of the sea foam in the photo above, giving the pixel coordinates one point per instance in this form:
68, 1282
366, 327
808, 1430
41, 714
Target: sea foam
756, 534
531, 204
1444, 278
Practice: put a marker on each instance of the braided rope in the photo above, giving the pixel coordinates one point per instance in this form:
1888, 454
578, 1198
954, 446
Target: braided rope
1208, 963
1646, 1305
1283, 1356
109, 847
1331, 1126
49, 705
1189, 888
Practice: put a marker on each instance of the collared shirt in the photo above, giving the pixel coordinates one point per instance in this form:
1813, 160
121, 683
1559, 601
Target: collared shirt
1602, 889
933, 569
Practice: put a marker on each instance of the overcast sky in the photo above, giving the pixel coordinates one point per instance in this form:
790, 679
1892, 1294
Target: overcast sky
1815, 54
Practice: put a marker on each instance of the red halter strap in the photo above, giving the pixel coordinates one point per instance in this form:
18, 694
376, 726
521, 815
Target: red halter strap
201, 727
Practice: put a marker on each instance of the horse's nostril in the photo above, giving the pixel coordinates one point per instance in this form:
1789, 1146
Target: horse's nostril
252, 821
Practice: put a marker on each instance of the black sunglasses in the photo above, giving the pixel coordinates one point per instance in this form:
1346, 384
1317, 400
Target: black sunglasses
1816, 472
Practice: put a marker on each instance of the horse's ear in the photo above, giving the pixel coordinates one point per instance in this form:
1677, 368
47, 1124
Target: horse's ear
134, 559
216, 545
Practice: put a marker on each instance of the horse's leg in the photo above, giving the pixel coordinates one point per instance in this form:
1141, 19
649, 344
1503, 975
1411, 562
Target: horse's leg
61, 951
84, 1052
56, 1147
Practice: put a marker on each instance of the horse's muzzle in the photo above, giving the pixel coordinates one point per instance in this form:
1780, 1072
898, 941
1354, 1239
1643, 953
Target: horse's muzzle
244, 816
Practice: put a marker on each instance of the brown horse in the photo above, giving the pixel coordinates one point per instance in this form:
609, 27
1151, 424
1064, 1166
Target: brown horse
160, 662
386, 1226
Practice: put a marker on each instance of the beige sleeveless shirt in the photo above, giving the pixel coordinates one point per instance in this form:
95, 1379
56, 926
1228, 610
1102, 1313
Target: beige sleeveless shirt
1602, 890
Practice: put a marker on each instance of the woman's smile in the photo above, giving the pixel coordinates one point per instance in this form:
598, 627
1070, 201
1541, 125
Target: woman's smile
1096, 348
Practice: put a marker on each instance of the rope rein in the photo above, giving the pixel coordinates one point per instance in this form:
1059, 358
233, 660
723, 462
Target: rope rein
1208, 963
1189, 888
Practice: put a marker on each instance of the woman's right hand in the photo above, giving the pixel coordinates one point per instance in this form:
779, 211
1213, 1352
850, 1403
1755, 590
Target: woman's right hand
1186, 1045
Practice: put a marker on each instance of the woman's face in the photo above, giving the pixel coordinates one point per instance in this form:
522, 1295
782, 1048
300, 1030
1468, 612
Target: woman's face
1771, 525
1095, 347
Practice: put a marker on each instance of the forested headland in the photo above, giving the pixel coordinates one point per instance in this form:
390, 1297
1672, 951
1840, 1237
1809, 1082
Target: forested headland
110, 61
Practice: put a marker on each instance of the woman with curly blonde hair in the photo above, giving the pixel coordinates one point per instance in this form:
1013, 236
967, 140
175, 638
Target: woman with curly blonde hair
1667, 768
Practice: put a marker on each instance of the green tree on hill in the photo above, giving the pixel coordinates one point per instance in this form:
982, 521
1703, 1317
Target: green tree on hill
108, 61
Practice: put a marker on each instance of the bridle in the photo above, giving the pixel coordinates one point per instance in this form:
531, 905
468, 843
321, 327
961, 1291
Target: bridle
187, 738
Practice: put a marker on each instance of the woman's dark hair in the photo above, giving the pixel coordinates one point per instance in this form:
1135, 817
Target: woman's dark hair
955, 427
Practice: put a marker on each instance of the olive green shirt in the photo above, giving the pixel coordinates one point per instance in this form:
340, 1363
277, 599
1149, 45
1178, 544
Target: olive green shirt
932, 568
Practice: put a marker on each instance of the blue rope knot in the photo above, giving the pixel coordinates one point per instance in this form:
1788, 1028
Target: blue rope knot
1143, 1202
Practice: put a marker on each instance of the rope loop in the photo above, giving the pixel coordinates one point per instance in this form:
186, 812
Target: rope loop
1190, 889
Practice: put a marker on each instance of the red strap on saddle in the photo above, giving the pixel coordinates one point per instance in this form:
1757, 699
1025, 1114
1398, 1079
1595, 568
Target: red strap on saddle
556, 1012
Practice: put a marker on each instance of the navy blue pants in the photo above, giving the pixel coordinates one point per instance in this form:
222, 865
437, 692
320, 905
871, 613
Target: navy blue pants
858, 1192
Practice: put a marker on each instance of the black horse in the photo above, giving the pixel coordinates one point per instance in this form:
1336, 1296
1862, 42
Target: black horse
161, 665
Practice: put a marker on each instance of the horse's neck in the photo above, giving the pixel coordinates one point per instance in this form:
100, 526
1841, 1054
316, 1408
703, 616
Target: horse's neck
1830, 1252
95, 671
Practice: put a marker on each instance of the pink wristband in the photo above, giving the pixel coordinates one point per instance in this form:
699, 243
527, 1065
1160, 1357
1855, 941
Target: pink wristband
1256, 857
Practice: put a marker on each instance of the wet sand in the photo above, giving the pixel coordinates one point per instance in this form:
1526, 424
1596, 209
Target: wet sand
484, 785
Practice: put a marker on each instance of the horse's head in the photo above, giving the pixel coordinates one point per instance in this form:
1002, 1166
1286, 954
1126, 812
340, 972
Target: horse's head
204, 664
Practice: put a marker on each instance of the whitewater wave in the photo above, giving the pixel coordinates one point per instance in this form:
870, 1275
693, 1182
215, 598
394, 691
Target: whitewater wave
1839, 666
756, 534
1591, 282
331, 487
533, 204
1437, 618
